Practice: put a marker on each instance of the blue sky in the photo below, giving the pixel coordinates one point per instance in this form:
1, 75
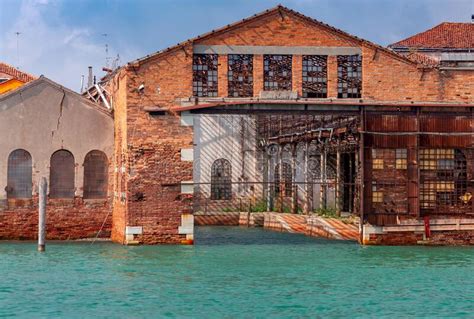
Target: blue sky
61, 38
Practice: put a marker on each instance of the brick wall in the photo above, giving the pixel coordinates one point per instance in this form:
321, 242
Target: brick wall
150, 144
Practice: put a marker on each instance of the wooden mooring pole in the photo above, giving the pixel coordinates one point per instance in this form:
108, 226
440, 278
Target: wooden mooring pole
43, 187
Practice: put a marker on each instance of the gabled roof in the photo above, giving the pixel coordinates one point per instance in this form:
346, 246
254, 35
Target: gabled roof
42, 79
447, 35
278, 9
15, 73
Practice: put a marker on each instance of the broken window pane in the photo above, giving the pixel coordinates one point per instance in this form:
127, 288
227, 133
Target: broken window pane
315, 76
19, 179
277, 72
205, 75
349, 76
240, 75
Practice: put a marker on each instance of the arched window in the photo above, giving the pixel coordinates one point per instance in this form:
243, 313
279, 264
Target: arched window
221, 179
61, 176
287, 179
19, 180
95, 175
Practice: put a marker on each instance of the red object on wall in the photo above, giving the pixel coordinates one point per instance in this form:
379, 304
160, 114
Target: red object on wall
427, 226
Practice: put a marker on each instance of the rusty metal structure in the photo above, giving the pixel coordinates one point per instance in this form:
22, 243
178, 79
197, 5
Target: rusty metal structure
315, 76
240, 75
277, 72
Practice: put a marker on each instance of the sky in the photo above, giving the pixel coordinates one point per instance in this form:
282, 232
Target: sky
61, 38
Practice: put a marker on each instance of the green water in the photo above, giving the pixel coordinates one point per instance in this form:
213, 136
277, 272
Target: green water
236, 272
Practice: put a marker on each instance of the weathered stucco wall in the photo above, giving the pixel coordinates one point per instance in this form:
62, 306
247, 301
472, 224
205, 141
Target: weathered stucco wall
42, 118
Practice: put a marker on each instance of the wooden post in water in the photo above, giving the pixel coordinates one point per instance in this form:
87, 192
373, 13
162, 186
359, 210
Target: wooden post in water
43, 187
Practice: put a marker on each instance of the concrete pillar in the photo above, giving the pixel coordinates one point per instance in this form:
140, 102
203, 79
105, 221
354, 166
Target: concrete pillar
43, 190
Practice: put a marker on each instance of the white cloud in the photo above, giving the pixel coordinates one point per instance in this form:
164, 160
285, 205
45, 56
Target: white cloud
49, 46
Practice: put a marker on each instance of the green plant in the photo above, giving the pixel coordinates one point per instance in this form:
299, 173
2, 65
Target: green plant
259, 207
326, 212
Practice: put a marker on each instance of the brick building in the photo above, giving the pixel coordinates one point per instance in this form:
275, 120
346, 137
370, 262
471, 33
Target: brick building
49, 131
285, 108
282, 112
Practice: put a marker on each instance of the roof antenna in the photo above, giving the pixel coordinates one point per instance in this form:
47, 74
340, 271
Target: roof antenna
106, 50
18, 49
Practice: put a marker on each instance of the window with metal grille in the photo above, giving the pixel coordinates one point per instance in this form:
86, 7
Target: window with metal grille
287, 180
240, 75
205, 75
401, 158
277, 72
377, 195
349, 76
380, 155
61, 176
443, 174
95, 175
315, 76
221, 179
19, 176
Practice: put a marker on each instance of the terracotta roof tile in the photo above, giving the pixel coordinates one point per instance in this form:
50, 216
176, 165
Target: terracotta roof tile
15, 73
449, 35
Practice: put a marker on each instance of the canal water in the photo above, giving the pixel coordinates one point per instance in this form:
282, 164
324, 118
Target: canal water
236, 272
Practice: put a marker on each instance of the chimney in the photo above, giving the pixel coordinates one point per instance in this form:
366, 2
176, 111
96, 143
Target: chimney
89, 79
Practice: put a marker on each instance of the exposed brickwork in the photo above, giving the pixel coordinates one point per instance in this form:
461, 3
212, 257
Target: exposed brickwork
446, 238
148, 145
66, 219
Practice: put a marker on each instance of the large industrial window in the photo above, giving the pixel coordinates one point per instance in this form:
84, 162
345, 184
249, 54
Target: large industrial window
315, 76
287, 180
349, 76
62, 175
19, 179
443, 174
277, 72
205, 75
95, 175
221, 179
240, 75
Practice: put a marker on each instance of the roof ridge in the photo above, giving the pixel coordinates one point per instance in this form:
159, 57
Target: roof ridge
269, 11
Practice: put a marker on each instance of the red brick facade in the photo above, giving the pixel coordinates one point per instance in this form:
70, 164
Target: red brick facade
148, 143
